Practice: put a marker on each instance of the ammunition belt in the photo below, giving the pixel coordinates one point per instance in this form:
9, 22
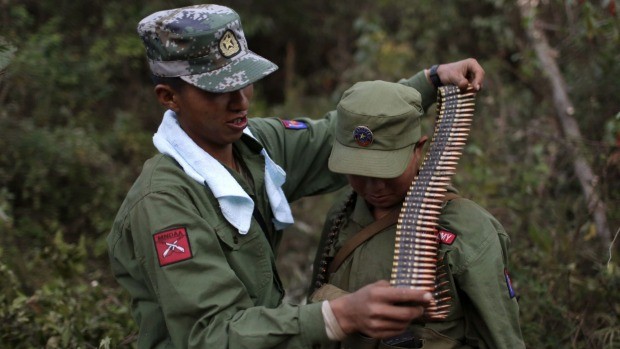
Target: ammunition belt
416, 244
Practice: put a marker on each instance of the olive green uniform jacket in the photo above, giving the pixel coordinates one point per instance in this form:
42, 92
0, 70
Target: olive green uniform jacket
226, 292
484, 312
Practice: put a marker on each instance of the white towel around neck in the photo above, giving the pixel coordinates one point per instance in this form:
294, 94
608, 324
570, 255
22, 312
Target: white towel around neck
235, 204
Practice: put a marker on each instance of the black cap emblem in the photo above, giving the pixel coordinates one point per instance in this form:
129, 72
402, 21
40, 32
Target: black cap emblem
363, 136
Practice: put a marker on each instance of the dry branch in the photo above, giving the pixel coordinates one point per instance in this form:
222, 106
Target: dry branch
564, 113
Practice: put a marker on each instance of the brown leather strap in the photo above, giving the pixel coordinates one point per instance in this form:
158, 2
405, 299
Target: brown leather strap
368, 232
363, 235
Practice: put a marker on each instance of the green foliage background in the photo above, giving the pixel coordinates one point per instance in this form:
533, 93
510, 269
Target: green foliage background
78, 113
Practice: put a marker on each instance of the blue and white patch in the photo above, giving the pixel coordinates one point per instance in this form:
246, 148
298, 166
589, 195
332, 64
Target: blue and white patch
294, 124
511, 291
363, 136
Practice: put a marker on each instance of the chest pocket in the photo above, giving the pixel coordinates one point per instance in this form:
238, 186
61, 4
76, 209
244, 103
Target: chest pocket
249, 256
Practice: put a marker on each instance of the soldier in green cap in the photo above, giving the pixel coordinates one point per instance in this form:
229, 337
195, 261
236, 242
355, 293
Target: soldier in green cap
379, 147
195, 240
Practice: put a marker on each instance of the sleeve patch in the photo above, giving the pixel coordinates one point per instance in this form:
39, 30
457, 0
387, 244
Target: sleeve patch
172, 246
511, 291
446, 237
293, 124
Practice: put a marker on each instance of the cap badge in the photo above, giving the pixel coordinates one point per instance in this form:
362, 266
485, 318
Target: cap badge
363, 136
229, 46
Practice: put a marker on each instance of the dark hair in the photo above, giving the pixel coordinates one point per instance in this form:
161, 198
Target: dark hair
175, 82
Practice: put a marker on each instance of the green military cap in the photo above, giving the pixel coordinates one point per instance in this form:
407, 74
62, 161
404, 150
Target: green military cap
203, 45
376, 128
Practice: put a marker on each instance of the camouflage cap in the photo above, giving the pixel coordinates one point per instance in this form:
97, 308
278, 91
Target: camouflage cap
203, 45
376, 128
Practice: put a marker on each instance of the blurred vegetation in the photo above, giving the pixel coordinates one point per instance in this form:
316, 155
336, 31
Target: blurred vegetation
78, 114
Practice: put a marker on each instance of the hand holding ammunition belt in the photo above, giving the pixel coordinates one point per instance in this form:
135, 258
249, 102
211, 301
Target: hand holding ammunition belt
416, 243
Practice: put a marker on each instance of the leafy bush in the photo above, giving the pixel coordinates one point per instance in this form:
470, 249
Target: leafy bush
70, 307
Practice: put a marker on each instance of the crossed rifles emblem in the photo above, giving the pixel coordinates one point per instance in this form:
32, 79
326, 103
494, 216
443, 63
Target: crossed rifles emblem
173, 247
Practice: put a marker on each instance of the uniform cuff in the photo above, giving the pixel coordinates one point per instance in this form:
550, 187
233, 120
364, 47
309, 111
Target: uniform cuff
313, 324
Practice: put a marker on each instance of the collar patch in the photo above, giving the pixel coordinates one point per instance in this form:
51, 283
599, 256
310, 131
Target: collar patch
446, 237
172, 246
294, 124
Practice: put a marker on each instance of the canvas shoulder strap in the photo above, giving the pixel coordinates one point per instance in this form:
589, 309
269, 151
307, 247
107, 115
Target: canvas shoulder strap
371, 230
360, 237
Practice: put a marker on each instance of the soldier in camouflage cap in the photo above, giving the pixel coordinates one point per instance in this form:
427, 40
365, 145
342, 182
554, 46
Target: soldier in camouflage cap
204, 45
